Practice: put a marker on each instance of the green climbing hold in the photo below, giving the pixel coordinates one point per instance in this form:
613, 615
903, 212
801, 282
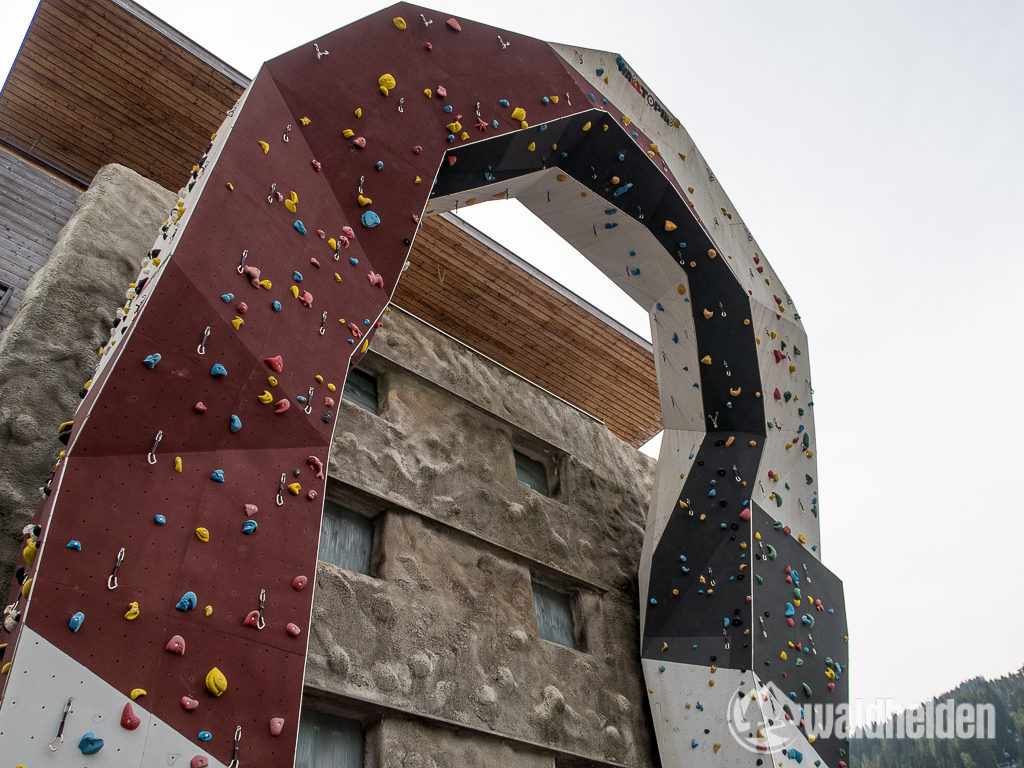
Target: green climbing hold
799, 662
796, 593
807, 440
807, 689
787, 395
771, 551
796, 350
778, 500
777, 525
800, 411
809, 479
758, 578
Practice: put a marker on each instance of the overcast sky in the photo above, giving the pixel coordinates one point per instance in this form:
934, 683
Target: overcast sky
873, 150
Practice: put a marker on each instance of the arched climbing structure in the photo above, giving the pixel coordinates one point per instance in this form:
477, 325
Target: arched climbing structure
195, 477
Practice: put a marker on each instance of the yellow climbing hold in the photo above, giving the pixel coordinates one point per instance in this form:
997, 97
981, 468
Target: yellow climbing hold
305, 120
518, 113
626, 120
136, 692
266, 398
294, 291
783, 656
177, 463
792, 369
29, 552
332, 243
681, 156
216, 683
358, 112
363, 201
237, 322
26, 587
290, 205
681, 289
294, 489
348, 133
664, 647
670, 226
428, 93
319, 379
454, 127
7, 668
586, 126
417, 180
706, 359
399, 22
735, 391
715, 747
729, 441
264, 146
331, 388
532, 146
133, 611
266, 285
708, 314
802, 539
337, 277
386, 83
230, 186
203, 534
272, 381
208, 610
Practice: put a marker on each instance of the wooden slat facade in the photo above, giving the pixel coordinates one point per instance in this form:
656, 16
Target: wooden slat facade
34, 206
103, 81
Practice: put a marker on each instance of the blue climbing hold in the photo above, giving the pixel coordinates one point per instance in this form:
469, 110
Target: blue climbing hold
301, 399
379, 165
276, 306
236, 423
726, 622
545, 100
622, 190
621, 157
634, 270
795, 754
205, 736
610, 211
159, 519
503, 102
90, 744
450, 138
217, 475
494, 123
297, 276
712, 493
654, 601
790, 610
369, 219
682, 558
227, 298
543, 127
75, 622
299, 227
700, 707
591, 97
74, 544
675, 338
446, 108
681, 244
684, 569
693, 743
249, 527
611, 225
218, 370
187, 602
152, 360
488, 176
599, 71
565, 154
661, 668
353, 260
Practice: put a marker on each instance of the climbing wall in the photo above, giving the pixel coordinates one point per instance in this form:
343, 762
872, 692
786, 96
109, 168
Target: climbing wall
163, 605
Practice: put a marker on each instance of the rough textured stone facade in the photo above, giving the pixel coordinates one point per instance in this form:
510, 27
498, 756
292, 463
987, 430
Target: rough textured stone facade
437, 651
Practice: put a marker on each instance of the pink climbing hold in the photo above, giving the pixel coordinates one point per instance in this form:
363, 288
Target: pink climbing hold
199, 407
306, 299
299, 582
314, 262
251, 509
321, 234
417, 149
375, 279
355, 330
328, 402
745, 514
252, 619
440, 92
428, 46
359, 142
348, 232
343, 241
451, 160
242, 308
293, 629
316, 465
253, 273
276, 363
176, 645
198, 762
129, 720
311, 494
276, 726
282, 405
189, 704
316, 165
454, 24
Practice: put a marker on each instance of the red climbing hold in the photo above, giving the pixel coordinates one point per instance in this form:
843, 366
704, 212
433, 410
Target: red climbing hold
275, 363
451, 160
745, 514
129, 720
777, 395
375, 279
778, 355
199, 407
454, 24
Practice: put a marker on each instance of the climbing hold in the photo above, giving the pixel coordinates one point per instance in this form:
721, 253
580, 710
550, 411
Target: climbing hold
75, 622
251, 509
176, 645
299, 582
670, 226
129, 720
282, 405
204, 735
236, 423
218, 370
712, 253
217, 475
294, 488
90, 744
252, 619
293, 629
187, 601
208, 610
135, 693
519, 114
152, 360
249, 527
159, 519
133, 611
199, 761
386, 83
706, 360
264, 146
216, 682
276, 726
177, 464
369, 219
454, 24
203, 534
265, 398
299, 227
74, 544
275, 363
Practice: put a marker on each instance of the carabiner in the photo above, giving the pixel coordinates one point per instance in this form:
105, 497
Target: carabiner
280, 490
59, 738
112, 579
152, 451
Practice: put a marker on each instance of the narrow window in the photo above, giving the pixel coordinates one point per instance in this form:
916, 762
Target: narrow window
346, 538
328, 742
531, 473
361, 390
554, 615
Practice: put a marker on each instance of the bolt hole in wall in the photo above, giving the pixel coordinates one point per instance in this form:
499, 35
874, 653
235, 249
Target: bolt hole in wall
515, 227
